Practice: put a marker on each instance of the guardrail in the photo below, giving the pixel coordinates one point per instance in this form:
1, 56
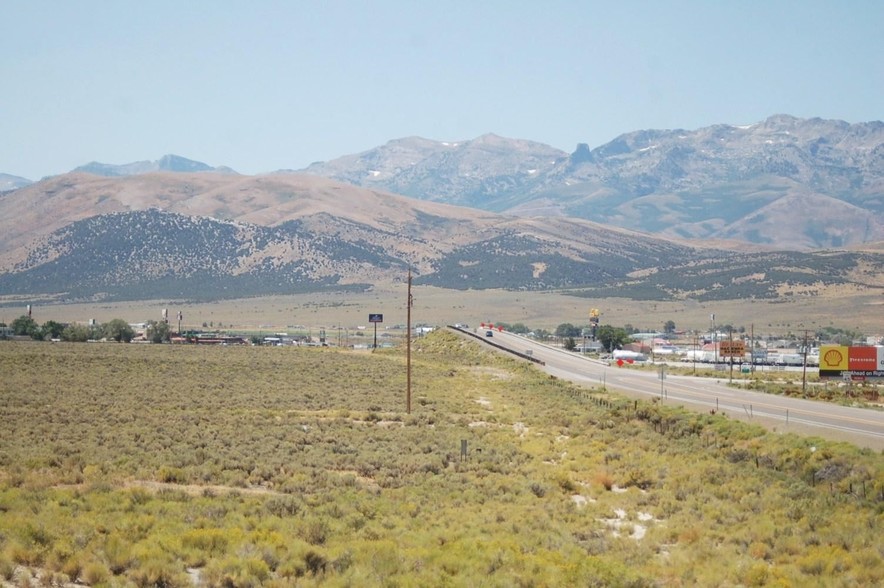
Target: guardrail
487, 340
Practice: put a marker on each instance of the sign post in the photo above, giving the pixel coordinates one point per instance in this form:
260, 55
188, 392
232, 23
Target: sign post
375, 319
593, 322
730, 348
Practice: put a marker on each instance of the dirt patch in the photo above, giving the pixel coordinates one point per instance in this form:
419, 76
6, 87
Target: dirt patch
493, 372
201, 490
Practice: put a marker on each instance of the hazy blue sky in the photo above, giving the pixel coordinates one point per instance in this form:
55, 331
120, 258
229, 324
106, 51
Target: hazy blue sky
264, 85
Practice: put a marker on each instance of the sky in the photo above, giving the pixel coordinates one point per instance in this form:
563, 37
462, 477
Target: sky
265, 85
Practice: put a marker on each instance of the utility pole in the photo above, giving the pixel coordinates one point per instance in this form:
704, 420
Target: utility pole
408, 348
714, 343
804, 367
730, 338
752, 347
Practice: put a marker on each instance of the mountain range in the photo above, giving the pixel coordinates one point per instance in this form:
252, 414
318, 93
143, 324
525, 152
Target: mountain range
486, 213
81, 236
784, 182
170, 163
10, 182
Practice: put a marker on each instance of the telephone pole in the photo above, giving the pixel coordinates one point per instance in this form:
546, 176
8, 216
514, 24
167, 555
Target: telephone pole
408, 348
804, 367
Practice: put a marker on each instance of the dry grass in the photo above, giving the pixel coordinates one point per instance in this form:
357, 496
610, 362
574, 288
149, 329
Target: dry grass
131, 464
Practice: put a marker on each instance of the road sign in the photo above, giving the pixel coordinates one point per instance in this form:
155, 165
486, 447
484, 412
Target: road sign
731, 349
375, 318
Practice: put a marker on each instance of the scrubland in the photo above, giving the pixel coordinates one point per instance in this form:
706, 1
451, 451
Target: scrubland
160, 465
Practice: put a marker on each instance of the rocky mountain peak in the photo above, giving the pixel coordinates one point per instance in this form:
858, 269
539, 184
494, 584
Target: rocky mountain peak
701, 183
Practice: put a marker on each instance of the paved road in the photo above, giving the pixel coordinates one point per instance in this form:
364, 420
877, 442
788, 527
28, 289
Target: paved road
864, 427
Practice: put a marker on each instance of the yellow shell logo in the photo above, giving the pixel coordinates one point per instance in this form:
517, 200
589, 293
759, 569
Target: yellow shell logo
833, 357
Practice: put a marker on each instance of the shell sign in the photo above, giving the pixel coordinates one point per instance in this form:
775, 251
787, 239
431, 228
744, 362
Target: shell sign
833, 357
839, 361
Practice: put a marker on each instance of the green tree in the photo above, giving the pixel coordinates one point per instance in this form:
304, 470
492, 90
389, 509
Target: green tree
570, 344
541, 334
567, 330
76, 333
612, 337
118, 330
25, 325
669, 327
52, 329
158, 331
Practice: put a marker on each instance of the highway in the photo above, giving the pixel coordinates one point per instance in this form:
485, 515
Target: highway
863, 427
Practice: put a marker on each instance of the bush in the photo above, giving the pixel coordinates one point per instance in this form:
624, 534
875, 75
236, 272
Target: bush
7, 568
156, 573
250, 572
211, 541
95, 573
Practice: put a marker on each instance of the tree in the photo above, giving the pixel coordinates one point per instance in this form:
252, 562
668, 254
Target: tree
52, 329
76, 333
158, 332
612, 337
25, 325
570, 345
541, 334
567, 330
669, 327
118, 330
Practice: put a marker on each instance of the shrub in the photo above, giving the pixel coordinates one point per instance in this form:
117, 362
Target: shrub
7, 568
171, 475
315, 562
250, 572
316, 532
72, 568
538, 489
604, 479
119, 554
95, 573
212, 541
284, 506
156, 573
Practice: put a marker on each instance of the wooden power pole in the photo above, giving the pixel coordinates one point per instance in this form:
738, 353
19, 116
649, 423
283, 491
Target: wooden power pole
408, 349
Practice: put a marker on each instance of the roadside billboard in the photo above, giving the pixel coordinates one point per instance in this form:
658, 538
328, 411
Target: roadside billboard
731, 348
840, 361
